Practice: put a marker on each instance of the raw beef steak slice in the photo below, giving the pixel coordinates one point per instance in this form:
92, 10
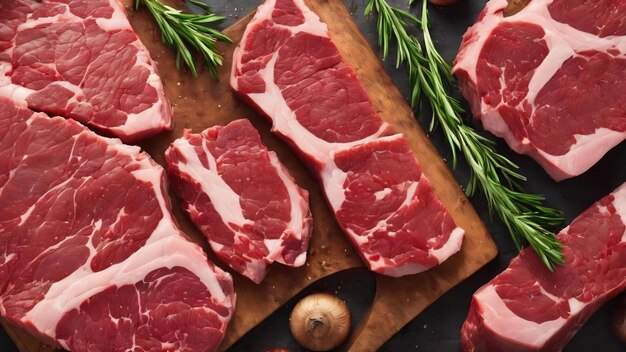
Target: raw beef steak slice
81, 59
289, 69
528, 308
92, 259
241, 197
549, 79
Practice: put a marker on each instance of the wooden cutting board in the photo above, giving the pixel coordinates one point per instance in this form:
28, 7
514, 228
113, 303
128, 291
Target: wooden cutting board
202, 102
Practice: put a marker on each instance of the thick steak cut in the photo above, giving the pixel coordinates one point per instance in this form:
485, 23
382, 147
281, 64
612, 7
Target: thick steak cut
241, 197
81, 59
92, 259
550, 79
528, 308
289, 69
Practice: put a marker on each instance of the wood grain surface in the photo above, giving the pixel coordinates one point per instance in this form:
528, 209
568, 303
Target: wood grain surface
202, 102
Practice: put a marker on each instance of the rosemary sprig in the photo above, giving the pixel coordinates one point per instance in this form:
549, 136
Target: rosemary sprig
180, 30
524, 215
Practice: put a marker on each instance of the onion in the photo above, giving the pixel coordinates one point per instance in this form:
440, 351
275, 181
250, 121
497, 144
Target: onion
320, 322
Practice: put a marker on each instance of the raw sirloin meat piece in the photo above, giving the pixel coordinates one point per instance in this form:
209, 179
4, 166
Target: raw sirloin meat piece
81, 59
92, 258
288, 68
241, 197
529, 308
550, 79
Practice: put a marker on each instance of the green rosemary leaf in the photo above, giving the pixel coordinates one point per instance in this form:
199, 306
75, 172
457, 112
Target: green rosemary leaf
185, 31
495, 176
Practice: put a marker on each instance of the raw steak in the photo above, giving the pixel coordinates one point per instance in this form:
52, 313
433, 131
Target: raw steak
81, 59
549, 79
241, 197
289, 69
92, 259
528, 308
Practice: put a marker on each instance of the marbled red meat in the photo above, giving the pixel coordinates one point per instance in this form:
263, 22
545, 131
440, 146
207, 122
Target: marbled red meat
241, 197
92, 258
289, 69
529, 308
549, 79
81, 59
